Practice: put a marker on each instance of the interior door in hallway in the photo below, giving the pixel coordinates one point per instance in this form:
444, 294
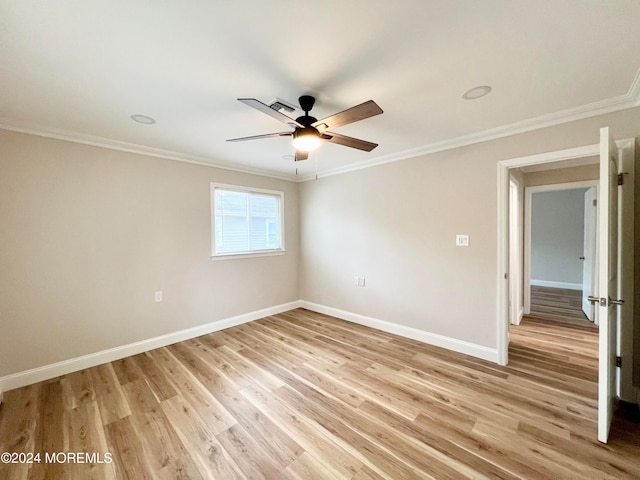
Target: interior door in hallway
609, 277
589, 256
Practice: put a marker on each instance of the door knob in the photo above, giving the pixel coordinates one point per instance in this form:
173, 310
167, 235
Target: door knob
594, 300
615, 302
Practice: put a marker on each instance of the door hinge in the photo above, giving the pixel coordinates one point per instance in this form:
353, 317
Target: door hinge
618, 361
595, 203
620, 179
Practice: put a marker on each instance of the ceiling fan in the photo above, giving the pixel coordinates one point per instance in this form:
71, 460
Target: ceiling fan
308, 132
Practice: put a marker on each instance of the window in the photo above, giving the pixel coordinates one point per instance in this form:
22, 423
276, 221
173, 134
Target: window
246, 221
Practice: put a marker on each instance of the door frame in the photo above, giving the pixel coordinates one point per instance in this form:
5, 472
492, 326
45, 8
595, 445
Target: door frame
626, 289
516, 240
502, 270
528, 195
503, 232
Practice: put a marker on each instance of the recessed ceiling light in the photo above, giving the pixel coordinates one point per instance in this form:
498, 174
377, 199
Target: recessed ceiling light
143, 119
476, 92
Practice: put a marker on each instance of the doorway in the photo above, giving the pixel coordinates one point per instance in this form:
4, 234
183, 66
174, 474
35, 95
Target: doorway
560, 238
624, 324
505, 171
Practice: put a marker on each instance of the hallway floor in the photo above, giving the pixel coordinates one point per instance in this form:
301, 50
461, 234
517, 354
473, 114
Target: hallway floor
559, 304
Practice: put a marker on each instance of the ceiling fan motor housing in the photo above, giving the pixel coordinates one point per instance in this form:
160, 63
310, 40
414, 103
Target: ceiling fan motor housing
306, 120
306, 103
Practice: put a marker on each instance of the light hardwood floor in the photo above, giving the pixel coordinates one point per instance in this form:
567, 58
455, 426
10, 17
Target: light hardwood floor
559, 304
301, 395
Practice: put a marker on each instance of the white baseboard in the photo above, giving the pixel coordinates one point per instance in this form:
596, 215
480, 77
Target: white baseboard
519, 316
460, 346
46, 372
548, 283
27, 377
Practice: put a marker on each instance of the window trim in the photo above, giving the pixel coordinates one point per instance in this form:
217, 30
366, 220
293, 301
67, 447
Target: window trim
249, 190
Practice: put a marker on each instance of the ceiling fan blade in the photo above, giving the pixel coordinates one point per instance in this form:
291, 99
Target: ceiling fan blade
264, 108
350, 115
256, 137
300, 155
349, 141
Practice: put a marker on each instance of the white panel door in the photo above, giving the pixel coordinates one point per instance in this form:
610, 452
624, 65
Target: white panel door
608, 277
589, 260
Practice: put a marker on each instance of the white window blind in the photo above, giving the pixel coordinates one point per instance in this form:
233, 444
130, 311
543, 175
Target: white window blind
246, 221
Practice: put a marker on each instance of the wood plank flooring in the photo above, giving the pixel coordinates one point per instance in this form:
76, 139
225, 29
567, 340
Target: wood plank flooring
559, 304
301, 395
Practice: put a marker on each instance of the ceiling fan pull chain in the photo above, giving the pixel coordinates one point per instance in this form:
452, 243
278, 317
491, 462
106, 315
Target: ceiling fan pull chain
316, 157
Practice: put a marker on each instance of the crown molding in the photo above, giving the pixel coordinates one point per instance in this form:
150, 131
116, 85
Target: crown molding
634, 89
101, 142
622, 102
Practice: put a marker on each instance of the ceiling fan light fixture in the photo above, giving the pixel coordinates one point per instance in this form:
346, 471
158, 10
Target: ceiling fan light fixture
306, 139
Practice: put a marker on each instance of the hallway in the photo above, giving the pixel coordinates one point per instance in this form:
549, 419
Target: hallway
560, 305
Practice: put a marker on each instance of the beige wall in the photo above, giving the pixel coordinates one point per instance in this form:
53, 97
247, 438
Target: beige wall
562, 175
395, 224
89, 234
557, 236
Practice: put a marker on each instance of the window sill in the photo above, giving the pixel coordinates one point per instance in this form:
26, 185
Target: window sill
229, 256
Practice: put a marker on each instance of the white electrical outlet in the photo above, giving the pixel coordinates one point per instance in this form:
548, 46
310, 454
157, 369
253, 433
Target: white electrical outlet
356, 281
158, 296
362, 281
462, 240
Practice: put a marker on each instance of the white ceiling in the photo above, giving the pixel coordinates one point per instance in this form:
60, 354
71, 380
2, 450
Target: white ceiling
78, 69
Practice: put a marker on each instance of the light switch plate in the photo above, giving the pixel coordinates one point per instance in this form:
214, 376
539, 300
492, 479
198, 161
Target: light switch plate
462, 240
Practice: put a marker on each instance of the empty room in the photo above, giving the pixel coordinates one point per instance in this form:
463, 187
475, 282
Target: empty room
315, 240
